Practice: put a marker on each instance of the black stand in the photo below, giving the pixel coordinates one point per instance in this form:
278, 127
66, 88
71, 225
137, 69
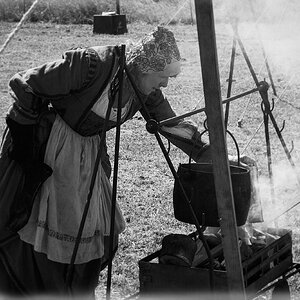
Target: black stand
261, 87
267, 109
152, 127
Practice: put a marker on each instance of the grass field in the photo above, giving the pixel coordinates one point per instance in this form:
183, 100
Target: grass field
145, 182
148, 11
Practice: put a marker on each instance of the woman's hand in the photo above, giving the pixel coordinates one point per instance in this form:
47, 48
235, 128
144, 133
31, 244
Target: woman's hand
245, 161
250, 162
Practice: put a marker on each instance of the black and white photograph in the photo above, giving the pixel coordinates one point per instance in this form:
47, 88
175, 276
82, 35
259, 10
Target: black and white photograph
150, 149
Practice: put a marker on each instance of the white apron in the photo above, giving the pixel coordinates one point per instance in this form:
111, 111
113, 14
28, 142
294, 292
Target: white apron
56, 215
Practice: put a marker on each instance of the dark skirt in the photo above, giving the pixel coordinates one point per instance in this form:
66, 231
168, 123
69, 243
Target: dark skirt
12, 180
24, 271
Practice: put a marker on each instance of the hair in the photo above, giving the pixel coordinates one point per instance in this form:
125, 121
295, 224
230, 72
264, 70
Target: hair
154, 51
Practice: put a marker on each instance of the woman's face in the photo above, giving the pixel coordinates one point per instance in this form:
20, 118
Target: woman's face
152, 81
149, 82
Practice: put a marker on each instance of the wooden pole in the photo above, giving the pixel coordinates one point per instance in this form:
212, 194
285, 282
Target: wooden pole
191, 10
215, 121
118, 7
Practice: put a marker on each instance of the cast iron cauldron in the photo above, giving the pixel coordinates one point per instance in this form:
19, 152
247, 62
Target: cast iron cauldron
198, 182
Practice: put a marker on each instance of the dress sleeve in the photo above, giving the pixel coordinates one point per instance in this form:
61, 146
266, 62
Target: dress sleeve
32, 87
181, 133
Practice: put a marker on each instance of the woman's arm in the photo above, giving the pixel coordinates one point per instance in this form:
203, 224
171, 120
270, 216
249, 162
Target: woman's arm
30, 89
183, 134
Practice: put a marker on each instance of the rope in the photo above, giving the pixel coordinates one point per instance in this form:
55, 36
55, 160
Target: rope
25, 16
177, 12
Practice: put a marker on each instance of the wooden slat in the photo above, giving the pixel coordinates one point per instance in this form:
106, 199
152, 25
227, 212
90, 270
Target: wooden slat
265, 263
267, 278
285, 240
177, 279
215, 120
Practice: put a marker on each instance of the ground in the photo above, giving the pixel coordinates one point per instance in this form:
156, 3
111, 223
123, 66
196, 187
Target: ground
145, 181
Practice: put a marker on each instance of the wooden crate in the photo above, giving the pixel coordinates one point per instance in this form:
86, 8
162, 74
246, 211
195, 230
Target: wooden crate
263, 267
110, 24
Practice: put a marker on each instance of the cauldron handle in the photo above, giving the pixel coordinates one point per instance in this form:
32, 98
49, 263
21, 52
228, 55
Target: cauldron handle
227, 131
236, 145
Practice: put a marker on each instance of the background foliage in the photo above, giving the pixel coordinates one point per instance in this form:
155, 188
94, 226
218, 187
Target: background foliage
82, 11
149, 11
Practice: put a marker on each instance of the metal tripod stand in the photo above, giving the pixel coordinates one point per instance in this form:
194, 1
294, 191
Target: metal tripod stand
267, 108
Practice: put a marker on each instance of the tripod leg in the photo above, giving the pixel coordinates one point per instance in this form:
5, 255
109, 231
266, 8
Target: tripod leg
263, 50
246, 57
269, 157
233, 51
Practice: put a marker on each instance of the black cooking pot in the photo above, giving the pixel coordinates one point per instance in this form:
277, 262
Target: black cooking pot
198, 182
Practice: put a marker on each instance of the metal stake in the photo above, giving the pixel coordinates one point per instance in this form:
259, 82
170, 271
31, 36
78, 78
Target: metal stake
70, 270
115, 176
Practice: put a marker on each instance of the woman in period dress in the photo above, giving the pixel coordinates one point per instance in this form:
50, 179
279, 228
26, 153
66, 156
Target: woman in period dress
49, 150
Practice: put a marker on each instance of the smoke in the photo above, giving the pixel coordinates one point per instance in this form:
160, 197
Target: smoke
274, 24
282, 204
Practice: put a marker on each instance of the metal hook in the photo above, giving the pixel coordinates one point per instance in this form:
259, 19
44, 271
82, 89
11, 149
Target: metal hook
262, 106
169, 147
273, 104
205, 124
283, 125
205, 128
